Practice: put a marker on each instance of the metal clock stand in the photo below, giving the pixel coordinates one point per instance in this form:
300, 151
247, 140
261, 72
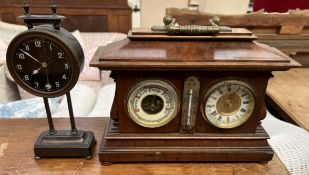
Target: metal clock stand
61, 143
64, 143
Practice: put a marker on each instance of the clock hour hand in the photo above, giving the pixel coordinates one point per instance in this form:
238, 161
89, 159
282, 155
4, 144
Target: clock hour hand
30, 56
35, 71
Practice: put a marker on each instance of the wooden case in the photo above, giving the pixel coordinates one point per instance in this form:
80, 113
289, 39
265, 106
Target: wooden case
175, 58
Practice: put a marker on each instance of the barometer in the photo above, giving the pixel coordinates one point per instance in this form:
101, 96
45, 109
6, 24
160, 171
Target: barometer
152, 103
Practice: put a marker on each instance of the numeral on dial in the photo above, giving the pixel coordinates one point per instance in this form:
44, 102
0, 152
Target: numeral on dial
57, 84
26, 77
213, 113
19, 67
21, 56
36, 84
60, 55
37, 43
66, 66
243, 110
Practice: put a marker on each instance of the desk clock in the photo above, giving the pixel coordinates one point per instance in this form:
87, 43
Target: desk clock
46, 60
188, 93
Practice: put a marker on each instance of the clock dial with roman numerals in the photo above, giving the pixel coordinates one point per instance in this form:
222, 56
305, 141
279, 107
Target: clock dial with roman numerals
43, 63
229, 103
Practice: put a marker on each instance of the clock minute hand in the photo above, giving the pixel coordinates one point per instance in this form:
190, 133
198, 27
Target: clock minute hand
30, 56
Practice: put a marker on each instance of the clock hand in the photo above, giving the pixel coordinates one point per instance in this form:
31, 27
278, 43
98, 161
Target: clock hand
35, 71
48, 86
30, 56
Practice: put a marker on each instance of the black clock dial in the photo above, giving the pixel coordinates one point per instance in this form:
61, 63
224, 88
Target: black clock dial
42, 64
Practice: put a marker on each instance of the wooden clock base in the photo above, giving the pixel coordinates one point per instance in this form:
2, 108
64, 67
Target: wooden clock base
174, 147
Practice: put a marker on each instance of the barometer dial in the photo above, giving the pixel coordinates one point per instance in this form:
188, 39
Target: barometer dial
152, 103
229, 103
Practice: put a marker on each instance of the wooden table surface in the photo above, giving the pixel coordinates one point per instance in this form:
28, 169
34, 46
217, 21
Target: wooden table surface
17, 137
288, 92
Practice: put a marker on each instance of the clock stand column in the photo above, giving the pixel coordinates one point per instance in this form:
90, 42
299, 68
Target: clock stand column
49, 117
72, 121
52, 130
64, 143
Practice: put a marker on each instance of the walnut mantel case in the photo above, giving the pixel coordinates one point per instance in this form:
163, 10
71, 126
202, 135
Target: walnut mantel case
188, 98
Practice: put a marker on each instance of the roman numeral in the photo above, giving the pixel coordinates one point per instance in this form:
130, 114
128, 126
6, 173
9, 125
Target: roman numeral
238, 88
210, 106
227, 120
219, 118
243, 110
244, 94
229, 89
213, 113
245, 102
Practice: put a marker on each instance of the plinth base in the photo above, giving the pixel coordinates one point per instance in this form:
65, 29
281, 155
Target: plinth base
175, 147
65, 144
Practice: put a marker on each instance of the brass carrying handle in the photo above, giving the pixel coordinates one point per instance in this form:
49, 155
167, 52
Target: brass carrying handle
172, 28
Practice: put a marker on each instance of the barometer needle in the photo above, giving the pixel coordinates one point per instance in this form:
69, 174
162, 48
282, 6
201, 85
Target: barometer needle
30, 56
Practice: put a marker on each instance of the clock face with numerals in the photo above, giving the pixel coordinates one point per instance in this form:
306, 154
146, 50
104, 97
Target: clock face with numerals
152, 103
42, 64
229, 103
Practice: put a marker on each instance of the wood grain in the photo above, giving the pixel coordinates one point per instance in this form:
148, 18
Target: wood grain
18, 136
290, 30
261, 20
190, 55
290, 92
82, 15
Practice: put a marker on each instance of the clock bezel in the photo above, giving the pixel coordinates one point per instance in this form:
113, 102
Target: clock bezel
62, 38
131, 89
213, 86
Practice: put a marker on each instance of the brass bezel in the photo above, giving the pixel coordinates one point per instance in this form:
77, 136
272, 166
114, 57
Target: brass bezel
211, 90
144, 81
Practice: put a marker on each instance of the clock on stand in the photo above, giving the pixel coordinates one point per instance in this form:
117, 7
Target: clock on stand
46, 60
188, 93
